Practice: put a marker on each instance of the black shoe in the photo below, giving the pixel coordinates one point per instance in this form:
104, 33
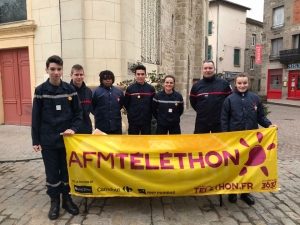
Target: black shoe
248, 199
54, 208
232, 198
68, 205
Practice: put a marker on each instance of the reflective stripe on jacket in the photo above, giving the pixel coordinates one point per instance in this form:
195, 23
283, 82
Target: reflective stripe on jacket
55, 109
207, 97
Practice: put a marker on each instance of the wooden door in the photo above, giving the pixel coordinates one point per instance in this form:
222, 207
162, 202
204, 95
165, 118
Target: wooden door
16, 88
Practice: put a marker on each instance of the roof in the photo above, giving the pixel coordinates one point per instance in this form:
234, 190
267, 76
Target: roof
230, 3
254, 22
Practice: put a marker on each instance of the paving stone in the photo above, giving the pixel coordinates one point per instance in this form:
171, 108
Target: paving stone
211, 216
287, 221
277, 213
269, 218
228, 221
8, 222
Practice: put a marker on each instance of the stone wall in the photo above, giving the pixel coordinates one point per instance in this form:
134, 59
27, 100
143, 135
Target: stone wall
182, 46
253, 27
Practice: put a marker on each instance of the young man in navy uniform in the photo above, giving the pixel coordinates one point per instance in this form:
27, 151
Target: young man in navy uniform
56, 109
85, 97
138, 103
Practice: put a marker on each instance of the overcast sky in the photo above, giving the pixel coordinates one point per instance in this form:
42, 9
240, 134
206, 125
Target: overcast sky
257, 8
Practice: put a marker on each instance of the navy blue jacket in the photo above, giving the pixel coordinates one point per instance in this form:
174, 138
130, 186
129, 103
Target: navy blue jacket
207, 97
167, 108
138, 103
85, 97
107, 103
243, 111
55, 109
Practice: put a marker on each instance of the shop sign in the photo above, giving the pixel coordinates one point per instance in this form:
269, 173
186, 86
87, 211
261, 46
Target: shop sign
293, 66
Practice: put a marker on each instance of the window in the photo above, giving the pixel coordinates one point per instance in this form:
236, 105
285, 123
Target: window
12, 10
209, 52
191, 7
276, 48
252, 63
236, 57
278, 17
253, 39
210, 27
296, 41
151, 45
258, 84
275, 81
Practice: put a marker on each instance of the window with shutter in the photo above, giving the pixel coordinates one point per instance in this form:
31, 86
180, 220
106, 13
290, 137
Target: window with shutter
296, 41
276, 48
236, 60
210, 27
278, 17
209, 53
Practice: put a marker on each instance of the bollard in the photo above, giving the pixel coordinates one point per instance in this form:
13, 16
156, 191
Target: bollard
153, 126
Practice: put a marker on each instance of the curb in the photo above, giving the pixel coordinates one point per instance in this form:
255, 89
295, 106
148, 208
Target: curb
18, 160
282, 104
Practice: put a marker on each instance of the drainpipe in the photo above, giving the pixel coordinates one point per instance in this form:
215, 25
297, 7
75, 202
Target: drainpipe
217, 52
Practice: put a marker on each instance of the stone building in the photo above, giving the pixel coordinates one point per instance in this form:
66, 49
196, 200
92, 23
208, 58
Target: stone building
281, 50
254, 30
166, 35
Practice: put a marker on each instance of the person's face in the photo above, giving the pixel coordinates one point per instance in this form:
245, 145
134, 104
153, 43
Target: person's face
169, 84
208, 69
107, 82
241, 84
140, 76
55, 72
77, 77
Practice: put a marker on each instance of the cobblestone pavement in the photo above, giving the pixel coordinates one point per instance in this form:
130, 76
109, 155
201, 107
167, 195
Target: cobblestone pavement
23, 199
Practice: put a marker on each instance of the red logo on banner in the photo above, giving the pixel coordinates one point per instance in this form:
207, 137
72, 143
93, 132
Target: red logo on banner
258, 54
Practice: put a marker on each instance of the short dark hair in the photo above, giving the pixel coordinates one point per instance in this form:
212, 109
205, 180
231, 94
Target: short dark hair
54, 59
106, 74
209, 61
139, 67
76, 67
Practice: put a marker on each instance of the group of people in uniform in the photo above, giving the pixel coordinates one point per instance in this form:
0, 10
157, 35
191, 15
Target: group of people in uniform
62, 108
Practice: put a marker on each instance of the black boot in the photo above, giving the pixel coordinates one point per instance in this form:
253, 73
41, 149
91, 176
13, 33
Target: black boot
68, 205
54, 208
248, 199
232, 198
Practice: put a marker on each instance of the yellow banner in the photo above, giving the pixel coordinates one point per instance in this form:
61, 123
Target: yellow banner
172, 165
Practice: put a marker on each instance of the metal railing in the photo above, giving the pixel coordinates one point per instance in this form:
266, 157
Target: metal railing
289, 56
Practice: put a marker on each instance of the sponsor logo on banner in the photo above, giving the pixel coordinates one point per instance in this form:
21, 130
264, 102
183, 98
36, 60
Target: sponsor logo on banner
105, 189
83, 189
268, 184
127, 189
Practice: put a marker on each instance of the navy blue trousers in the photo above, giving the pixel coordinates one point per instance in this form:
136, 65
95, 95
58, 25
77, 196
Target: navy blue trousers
57, 178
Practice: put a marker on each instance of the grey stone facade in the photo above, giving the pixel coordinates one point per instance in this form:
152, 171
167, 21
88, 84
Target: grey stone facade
183, 45
290, 27
254, 30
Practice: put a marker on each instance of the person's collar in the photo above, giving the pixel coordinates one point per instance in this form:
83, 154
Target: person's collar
77, 88
102, 85
209, 79
240, 93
